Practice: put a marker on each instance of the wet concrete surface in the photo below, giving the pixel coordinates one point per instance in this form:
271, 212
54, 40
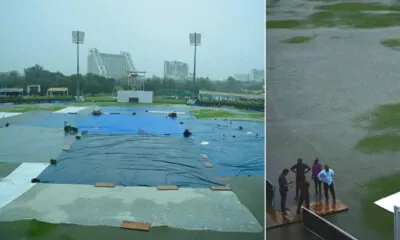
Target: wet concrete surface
248, 190
186, 208
315, 93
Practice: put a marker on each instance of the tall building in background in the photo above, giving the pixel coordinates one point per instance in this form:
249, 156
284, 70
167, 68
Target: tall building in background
109, 65
256, 75
176, 70
243, 77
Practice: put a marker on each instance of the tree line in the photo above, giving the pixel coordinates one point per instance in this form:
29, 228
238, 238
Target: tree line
96, 85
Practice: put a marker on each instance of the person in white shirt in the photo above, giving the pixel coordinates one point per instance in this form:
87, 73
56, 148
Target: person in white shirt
326, 176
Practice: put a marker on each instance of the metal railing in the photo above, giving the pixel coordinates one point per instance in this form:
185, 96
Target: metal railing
322, 228
270, 194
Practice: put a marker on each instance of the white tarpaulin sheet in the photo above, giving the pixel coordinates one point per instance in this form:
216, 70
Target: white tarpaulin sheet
19, 181
70, 110
389, 202
8, 114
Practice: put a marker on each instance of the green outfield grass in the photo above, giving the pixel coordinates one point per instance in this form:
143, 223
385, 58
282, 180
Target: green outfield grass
298, 39
350, 15
212, 113
375, 217
354, 6
393, 43
382, 124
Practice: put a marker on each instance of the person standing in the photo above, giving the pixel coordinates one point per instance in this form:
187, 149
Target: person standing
304, 194
316, 169
283, 188
326, 176
300, 169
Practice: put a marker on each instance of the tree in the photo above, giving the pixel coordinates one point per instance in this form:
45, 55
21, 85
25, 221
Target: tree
205, 84
94, 84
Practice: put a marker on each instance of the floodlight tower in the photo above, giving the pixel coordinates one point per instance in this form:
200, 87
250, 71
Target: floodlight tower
195, 40
77, 38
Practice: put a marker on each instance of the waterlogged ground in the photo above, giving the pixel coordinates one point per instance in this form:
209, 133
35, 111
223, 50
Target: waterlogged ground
199, 112
248, 190
327, 98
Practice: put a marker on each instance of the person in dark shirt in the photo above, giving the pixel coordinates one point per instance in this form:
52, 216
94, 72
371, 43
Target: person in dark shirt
300, 169
283, 188
304, 186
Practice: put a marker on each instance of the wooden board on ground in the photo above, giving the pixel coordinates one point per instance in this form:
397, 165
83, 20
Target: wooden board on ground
223, 179
220, 188
102, 184
277, 219
66, 148
136, 226
167, 187
208, 164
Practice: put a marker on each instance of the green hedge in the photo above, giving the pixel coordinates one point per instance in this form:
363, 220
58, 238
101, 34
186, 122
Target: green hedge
169, 101
101, 100
236, 104
45, 98
32, 99
213, 103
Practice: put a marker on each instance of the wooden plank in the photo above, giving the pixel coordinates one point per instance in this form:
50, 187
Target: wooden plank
204, 155
167, 187
220, 188
321, 208
208, 164
135, 226
223, 178
67, 148
102, 184
277, 219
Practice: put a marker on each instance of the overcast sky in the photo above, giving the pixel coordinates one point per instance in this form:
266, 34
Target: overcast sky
39, 32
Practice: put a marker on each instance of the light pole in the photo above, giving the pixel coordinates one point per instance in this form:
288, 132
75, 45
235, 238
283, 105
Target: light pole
396, 222
195, 40
77, 38
138, 80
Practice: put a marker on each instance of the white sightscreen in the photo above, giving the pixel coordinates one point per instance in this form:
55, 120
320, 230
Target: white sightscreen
195, 38
78, 36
